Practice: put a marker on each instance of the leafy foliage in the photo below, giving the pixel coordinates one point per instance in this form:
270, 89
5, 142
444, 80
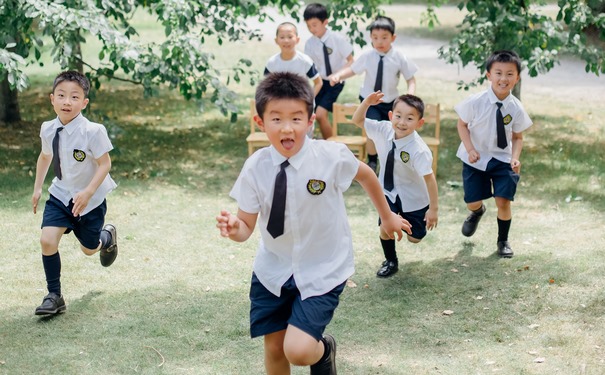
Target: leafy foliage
518, 25
179, 60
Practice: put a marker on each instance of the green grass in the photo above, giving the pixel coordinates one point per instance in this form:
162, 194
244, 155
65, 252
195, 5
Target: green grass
179, 289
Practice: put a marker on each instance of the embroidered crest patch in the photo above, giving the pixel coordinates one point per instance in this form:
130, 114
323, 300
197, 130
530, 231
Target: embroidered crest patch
330, 50
79, 155
405, 157
507, 119
316, 187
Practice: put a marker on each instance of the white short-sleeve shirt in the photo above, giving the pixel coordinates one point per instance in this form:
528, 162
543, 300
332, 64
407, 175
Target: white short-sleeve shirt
395, 64
413, 160
81, 143
300, 64
339, 49
479, 112
316, 247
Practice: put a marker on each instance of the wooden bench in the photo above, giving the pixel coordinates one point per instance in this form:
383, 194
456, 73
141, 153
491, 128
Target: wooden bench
345, 131
257, 138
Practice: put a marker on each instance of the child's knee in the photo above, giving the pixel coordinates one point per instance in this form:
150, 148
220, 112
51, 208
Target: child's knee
413, 239
88, 251
299, 355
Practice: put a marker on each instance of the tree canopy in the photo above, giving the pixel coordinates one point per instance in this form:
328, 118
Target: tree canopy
522, 26
179, 60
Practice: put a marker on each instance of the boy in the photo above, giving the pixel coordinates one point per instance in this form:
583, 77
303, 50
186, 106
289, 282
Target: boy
407, 178
78, 150
490, 125
291, 60
330, 53
305, 254
382, 66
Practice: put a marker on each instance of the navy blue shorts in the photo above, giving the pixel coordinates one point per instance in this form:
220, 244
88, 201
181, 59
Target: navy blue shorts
379, 112
87, 228
327, 95
498, 175
415, 218
270, 314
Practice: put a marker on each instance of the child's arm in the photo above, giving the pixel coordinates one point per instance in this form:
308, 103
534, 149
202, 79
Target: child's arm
238, 228
317, 83
360, 113
411, 85
391, 222
465, 137
517, 147
42, 165
82, 197
431, 214
350, 60
341, 75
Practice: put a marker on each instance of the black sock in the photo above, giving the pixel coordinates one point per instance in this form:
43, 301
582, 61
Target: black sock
52, 269
503, 228
105, 238
373, 158
388, 247
479, 211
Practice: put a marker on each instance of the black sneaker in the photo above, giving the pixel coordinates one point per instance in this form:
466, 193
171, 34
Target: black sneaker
51, 304
472, 221
109, 252
504, 249
328, 365
388, 268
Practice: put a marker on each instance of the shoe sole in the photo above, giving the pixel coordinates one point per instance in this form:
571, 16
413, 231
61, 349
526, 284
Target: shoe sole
59, 310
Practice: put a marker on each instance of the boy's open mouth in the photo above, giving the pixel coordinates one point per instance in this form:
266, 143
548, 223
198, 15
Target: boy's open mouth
287, 143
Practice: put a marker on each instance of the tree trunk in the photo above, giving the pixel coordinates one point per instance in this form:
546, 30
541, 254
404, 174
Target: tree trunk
517, 89
9, 103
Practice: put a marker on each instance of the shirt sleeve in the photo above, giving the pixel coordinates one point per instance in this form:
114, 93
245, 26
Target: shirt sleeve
464, 110
348, 167
100, 143
359, 65
408, 67
46, 145
312, 73
423, 163
244, 193
524, 121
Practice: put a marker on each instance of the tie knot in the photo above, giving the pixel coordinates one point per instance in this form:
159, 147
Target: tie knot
499, 104
58, 130
284, 164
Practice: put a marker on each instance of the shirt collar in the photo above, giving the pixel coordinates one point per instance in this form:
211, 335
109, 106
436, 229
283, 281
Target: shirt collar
404, 141
493, 99
296, 161
72, 126
325, 37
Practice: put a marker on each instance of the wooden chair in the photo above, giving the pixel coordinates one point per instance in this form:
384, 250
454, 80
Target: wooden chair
257, 138
349, 134
430, 131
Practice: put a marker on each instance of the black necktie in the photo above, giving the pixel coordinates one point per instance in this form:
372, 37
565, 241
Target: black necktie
275, 225
378, 83
327, 61
56, 160
500, 127
388, 169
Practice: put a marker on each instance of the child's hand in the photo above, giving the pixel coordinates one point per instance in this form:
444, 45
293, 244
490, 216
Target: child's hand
515, 165
395, 224
334, 79
374, 98
473, 156
431, 219
80, 202
35, 199
228, 224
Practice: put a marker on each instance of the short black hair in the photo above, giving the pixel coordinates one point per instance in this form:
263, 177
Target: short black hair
503, 56
413, 101
286, 24
316, 10
283, 85
383, 23
73, 76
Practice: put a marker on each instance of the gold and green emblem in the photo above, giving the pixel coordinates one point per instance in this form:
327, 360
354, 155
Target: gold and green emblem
316, 187
79, 155
507, 119
405, 157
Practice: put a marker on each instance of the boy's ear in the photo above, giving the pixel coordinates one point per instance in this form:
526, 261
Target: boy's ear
420, 123
86, 103
311, 119
259, 122
393, 38
390, 115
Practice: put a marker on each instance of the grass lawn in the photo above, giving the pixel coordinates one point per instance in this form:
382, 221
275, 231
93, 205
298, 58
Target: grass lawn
176, 300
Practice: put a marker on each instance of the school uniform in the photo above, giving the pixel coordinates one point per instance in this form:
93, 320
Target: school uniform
395, 65
339, 49
479, 112
300, 64
413, 160
81, 142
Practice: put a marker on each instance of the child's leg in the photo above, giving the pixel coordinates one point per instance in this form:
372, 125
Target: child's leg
51, 260
321, 115
276, 362
504, 221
